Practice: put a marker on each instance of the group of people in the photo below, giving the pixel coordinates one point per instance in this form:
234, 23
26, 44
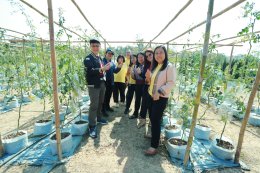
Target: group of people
149, 76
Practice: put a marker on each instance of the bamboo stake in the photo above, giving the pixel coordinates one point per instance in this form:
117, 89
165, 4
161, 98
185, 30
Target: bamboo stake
237, 36
77, 41
247, 114
213, 17
176, 59
55, 79
85, 46
168, 24
26, 35
83, 15
230, 59
199, 87
25, 59
44, 15
1, 147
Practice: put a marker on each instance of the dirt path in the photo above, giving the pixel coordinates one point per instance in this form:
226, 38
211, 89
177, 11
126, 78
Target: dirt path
120, 145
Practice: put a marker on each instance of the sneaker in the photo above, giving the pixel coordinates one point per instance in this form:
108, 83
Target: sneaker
93, 132
102, 121
141, 123
150, 152
105, 114
110, 109
150, 124
148, 136
133, 116
117, 105
122, 103
126, 111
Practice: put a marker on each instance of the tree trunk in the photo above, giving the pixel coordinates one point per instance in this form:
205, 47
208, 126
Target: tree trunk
199, 87
55, 79
20, 109
247, 114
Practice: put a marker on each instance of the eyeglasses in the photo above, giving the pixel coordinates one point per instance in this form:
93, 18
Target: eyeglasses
149, 55
110, 53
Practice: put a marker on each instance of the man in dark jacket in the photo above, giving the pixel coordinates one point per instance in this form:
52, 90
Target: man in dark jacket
109, 80
95, 77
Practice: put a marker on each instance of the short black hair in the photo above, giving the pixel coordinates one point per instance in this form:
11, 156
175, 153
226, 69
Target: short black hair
120, 56
92, 41
165, 62
130, 65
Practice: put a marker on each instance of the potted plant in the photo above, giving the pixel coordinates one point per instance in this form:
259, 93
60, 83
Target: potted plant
223, 147
66, 143
202, 131
176, 146
43, 73
16, 141
10, 102
172, 130
239, 109
80, 126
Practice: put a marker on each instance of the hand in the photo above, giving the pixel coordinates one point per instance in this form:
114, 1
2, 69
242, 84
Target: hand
106, 67
138, 70
156, 97
148, 74
120, 65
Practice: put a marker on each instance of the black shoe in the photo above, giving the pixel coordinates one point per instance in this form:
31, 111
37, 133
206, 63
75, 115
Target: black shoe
110, 109
126, 111
105, 114
133, 116
93, 132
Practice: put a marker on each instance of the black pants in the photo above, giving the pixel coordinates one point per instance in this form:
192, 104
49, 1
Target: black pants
129, 95
108, 94
144, 106
156, 109
119, 87
138, 98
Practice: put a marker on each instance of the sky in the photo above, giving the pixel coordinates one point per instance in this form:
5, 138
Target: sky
121, 20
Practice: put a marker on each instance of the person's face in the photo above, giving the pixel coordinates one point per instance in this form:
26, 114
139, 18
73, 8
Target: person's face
109, 55
95, 47
133, 60
149, 56
128, 54
159, 55
120, 60
140, 59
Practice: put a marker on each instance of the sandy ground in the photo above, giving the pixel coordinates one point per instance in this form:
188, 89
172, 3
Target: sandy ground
120, 145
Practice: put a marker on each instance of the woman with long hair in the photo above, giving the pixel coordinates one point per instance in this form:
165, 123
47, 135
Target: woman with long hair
137, 75
162, 79
144, 105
